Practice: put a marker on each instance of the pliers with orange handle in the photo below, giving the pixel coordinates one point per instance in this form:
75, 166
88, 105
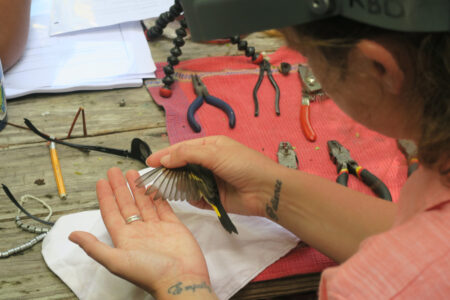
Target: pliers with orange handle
311, 91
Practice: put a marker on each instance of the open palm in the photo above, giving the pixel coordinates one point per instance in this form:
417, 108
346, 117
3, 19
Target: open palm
151, 252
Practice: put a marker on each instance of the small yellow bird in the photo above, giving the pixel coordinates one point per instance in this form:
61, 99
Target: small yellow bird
191, 182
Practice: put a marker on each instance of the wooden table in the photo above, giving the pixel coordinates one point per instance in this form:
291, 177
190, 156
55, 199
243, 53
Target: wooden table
25, 160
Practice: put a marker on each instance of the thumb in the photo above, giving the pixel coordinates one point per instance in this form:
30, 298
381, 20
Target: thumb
96, 249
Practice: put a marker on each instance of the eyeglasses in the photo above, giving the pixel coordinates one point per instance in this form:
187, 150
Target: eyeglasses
140, 150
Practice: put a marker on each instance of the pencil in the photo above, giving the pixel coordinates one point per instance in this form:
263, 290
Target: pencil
57, 171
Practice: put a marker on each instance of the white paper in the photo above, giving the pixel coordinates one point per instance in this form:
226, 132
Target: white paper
94, 86
232, 260
110, 57
73, 15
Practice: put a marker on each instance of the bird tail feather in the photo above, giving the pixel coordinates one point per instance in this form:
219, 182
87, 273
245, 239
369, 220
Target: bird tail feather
224, 218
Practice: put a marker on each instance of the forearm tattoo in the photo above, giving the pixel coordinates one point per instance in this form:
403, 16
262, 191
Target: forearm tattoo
272, 206
179, 288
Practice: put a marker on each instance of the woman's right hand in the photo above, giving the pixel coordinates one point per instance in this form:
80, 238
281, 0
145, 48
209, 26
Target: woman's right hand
245, 177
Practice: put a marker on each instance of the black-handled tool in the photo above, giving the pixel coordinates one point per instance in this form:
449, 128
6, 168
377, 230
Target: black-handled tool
345, 165
203, 96
265, 66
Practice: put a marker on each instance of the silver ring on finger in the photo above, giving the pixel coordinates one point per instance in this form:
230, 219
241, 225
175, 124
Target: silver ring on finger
133, 218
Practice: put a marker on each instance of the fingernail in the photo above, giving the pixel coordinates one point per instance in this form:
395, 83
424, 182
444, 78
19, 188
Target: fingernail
147, 161
165, 159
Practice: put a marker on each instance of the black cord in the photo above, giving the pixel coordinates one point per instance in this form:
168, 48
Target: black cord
157, 30
164, 19
249, 51
173, 60
13, 200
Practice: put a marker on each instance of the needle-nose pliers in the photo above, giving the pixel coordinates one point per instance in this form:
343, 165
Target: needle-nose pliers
202, 95
265, 66
345, 165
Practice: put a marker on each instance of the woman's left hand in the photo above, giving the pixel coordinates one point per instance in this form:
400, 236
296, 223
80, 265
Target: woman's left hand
156, 252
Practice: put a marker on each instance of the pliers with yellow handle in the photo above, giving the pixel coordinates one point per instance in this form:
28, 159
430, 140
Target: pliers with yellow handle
345, 165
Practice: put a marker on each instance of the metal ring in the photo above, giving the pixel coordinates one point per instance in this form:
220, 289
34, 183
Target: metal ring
133, 218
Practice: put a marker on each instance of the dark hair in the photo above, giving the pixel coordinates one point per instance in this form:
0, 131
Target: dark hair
430, 54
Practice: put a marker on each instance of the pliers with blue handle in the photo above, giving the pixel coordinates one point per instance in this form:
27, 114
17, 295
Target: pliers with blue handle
202, 95
345, 165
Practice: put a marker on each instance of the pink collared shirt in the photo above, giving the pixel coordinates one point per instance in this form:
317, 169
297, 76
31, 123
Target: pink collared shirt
409, 261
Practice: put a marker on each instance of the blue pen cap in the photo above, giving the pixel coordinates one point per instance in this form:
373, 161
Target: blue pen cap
3, 115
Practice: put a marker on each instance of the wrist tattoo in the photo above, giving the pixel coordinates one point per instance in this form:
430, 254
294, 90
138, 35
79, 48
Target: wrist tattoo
272, 206
179, 288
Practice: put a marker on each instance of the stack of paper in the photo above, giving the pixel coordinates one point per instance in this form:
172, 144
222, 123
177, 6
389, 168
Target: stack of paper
101, 58
73, 15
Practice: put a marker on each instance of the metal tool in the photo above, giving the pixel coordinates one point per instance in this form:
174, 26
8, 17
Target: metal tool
286, 155
311, 91
265, 67
202, 95
345, 165
409, 149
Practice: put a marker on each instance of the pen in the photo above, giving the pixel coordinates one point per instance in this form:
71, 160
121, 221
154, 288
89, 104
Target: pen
57, 171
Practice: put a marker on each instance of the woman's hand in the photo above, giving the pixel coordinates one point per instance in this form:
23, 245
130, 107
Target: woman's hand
157, 253
316, 209
245, 177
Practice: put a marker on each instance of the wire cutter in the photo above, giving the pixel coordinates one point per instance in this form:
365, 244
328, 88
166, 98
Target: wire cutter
202, 95
345, 165
265, 66
311, 91
287, 156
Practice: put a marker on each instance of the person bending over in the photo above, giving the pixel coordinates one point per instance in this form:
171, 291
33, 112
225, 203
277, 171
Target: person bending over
393, 82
